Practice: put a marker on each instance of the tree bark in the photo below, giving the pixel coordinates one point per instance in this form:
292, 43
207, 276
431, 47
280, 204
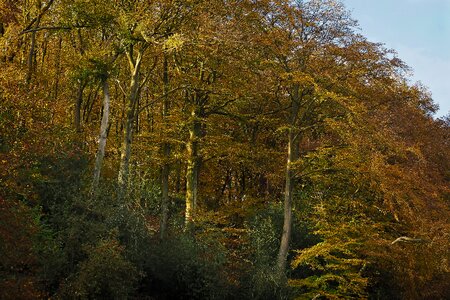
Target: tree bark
102, 138
78, 103
31, 55
293, 154
81, 86
408, 239
178, 177
192, 171
165, 172
125, 151
58, 68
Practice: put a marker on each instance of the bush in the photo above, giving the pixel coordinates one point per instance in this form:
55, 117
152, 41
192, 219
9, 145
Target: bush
184, 267
105, 274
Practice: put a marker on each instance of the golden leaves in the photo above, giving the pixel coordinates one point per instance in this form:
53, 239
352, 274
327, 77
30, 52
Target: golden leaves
174, 42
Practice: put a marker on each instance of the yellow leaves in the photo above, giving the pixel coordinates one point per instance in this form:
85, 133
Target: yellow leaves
339, 269
299, 78
336, 249
174, 43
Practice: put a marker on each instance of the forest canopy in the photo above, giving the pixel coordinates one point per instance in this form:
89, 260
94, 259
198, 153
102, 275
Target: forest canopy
221, 149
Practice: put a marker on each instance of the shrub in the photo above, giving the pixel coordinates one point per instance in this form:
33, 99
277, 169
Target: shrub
105, 274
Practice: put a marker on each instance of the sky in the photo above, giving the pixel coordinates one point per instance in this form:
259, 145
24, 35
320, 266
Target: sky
419, 30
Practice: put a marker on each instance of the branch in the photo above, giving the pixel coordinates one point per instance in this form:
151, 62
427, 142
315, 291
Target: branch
121, 88
407, 239
49, 28
213, 110
157, 99
131, 62
273, 112
39, 16
231, 115
147, 76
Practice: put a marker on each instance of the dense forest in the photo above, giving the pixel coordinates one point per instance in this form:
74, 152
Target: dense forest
215, 149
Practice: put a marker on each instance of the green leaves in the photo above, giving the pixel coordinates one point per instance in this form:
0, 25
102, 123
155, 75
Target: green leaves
225, 88
92, 67
87, 13
105, 273
337, 266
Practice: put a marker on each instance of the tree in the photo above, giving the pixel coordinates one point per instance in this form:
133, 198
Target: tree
296, 36
228, 124
103, 136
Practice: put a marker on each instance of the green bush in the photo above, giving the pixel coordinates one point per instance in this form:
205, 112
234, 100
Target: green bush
105, 274
184, 267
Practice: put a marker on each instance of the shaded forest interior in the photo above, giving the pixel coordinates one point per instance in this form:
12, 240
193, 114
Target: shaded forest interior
221, 149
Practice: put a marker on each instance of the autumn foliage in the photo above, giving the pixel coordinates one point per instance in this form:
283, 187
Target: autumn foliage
215, 150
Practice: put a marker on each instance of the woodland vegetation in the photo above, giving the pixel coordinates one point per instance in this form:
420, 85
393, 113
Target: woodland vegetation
220, 149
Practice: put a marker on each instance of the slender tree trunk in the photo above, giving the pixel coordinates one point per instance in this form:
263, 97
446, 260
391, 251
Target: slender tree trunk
192, 170
78, 103
166, 155
243, 184
193, 158
125, 151
81, 86
293, 154
178, 177
288, 191
58, 68
44, 52
196, 175
31, 54
102, 138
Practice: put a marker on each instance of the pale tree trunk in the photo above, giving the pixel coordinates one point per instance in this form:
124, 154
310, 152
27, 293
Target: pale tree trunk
102, 138
166, 155
125, 151
192, 170
293, 154
193, 158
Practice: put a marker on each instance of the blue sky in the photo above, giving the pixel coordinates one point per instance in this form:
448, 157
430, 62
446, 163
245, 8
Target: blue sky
419, 30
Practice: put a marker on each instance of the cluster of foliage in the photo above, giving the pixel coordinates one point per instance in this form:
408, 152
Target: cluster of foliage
192, 149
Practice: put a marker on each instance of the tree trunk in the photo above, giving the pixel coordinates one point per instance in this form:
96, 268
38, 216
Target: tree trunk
192, 171
44, 52
58, 68
166, 155
78, 103
293, 154
82, 84
125, 151
178, 177
31, 54
102, 138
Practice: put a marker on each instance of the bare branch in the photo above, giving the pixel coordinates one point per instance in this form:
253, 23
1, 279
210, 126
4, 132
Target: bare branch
407, 239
